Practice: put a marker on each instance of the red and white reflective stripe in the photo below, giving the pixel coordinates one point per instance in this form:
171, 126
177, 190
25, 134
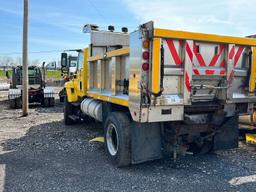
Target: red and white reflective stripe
199, 57
189, 52
216, 57
216, 71
222, 72
233, 54
187, 82
230, 77
222, 64
196, 72
188, 65
177, 58
173, 51
238, 54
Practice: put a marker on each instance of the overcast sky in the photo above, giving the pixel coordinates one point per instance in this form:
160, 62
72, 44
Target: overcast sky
57, 24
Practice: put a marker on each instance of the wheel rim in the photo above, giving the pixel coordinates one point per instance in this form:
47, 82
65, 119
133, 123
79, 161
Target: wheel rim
112, 139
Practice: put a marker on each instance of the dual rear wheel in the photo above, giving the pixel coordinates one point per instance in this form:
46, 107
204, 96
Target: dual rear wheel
118, 139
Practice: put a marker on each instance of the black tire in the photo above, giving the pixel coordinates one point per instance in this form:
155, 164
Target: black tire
18, 103
118, 141
12, 104
46, 102
68, 111
51, 101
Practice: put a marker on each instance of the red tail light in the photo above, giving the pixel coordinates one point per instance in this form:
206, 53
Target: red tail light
145, 66
145, 55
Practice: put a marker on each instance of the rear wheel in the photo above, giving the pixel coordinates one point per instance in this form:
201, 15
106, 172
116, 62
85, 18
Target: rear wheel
68, 110
118, 139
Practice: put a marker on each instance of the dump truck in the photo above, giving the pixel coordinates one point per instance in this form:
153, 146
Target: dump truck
37, 92
162, 93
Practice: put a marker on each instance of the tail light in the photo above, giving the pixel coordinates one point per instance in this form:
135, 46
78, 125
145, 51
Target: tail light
145, 66
146, 44
145, 55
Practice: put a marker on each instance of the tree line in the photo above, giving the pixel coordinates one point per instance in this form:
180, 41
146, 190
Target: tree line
8, 61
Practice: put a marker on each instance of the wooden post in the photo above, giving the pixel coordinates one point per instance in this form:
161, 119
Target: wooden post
25, 61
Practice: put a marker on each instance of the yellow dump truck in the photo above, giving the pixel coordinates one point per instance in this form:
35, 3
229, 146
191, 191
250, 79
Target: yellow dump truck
160, 92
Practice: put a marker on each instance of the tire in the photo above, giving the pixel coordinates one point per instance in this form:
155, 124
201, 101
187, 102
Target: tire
51, 101
46, 102
68, 111
12, 104
118, 139
18, 103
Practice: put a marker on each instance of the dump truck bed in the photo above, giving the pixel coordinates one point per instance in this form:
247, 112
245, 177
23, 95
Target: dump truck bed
184, 69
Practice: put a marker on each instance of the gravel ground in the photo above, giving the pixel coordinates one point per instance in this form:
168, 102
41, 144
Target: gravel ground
39, 153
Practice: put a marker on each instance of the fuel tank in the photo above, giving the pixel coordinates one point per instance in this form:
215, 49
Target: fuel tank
92, 108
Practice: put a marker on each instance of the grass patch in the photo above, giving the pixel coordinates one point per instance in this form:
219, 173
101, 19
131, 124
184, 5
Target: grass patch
54, 75
3, 74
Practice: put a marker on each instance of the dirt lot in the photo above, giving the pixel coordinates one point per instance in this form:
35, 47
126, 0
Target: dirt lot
39, 153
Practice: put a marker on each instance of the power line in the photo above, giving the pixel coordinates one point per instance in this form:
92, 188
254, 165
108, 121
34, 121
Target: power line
99, 12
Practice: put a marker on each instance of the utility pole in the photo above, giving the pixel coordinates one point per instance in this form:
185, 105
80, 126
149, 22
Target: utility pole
25, 61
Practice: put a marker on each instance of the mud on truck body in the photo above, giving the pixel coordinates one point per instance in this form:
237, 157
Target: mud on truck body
161, 92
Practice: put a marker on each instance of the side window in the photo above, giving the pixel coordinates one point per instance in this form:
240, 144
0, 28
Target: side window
80, 60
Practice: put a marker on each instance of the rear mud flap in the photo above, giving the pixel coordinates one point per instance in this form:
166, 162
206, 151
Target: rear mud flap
227, 134
146, 142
